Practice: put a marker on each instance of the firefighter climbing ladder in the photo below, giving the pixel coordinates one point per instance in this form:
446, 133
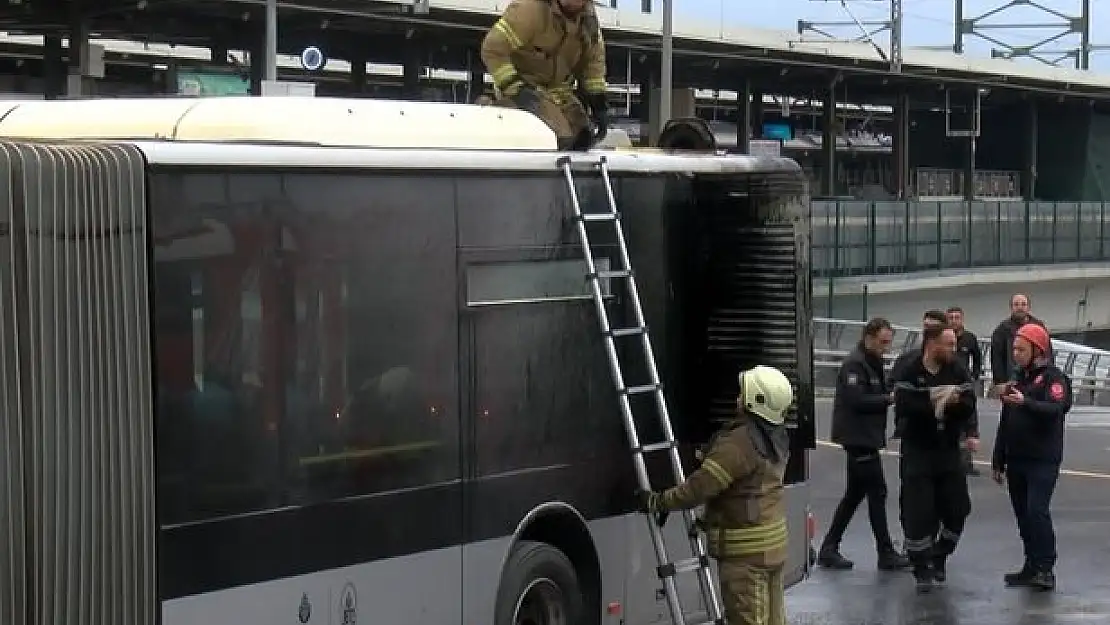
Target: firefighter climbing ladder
667, 570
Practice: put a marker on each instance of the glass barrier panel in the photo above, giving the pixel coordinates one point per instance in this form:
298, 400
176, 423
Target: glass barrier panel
1090, 216
1066, 248
955, 234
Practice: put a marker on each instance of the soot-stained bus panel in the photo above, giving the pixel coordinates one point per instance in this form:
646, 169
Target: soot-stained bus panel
540, 406
307, 348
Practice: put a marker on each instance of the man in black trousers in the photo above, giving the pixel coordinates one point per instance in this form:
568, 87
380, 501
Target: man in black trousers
859, 425
971, 354
935, 399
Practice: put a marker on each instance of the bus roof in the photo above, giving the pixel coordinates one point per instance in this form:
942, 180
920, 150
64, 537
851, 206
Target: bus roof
336, 133
352, 122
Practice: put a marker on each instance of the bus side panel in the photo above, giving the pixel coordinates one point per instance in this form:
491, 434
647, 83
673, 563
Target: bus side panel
540, 414
309, 433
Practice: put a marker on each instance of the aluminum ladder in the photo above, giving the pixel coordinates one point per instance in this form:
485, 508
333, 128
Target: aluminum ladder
667, 570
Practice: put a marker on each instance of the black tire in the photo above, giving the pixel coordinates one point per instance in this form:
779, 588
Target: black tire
538, 576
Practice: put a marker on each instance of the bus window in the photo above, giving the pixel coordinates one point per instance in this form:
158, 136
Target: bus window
306, 335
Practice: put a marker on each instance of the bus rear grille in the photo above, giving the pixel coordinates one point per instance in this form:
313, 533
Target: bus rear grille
759, 305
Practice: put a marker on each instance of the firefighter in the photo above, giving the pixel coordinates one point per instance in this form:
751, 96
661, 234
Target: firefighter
537, 51
859, 425
931, 319
740, 481
1029, 448
935, 399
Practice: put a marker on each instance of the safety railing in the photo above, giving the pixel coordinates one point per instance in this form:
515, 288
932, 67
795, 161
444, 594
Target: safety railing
1088, 368
857, 238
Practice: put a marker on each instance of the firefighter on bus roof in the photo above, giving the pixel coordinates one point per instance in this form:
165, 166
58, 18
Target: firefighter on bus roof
740, 481
537, 51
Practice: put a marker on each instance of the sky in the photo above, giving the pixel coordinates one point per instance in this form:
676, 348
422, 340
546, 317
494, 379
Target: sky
926, 22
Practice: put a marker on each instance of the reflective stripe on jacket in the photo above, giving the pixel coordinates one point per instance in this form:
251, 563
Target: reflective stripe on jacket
534, 43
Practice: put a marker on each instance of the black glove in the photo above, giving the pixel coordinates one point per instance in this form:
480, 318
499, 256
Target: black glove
599, 114
527, 99
651, 503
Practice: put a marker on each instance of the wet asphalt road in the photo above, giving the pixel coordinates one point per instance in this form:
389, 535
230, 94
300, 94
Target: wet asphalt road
990, 546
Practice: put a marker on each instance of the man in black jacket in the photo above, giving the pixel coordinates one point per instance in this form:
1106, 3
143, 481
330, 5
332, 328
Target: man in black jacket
935, 397
931, 319
1002, 341
859, 425
1028, 451
969, 352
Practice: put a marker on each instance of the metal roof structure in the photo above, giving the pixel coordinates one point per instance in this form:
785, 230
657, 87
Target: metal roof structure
769, 46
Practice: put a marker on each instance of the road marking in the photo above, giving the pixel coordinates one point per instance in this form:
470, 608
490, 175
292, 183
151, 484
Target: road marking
983, 463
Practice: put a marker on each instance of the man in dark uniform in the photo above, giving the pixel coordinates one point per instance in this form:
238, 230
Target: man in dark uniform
969, 352
1002, 342
1028, 451
931, 319
859, 425
740, 483
935, 397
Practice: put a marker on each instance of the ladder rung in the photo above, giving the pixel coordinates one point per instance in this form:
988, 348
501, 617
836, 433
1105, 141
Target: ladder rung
619, 332
720, 621
637, 390
600, 216
682, 566
661, 446
615, 273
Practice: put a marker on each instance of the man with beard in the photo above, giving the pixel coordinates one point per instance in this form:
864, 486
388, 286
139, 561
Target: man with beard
547, 57
1002, 341
935, 399
931, 319
740, 483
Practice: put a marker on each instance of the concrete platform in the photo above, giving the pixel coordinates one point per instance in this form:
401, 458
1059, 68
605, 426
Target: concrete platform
990, 547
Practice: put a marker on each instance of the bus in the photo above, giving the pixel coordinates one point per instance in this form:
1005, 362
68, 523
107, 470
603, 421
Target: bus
335, 361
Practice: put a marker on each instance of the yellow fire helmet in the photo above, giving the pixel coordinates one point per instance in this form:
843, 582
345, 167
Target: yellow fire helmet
766, 392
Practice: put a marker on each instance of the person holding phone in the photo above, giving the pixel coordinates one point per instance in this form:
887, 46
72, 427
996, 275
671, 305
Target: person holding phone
1029, 448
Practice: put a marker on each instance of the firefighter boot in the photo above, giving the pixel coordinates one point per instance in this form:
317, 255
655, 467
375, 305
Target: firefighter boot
1020, 578
940, 570
891, 560
829, 558
1043, 580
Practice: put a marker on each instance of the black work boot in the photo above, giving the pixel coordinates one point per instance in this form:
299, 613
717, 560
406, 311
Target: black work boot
891, 560
830, 558
1019, 578
940, 570
923, 578
1043, 580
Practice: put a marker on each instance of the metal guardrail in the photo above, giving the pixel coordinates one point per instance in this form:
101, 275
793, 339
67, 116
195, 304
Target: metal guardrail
1088, 368
859, 238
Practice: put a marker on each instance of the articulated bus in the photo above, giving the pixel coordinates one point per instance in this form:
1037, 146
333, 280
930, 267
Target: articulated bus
329, 362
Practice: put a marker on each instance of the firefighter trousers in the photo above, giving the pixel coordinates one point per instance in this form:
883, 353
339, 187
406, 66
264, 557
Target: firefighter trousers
563, 114
752, 593
934, 507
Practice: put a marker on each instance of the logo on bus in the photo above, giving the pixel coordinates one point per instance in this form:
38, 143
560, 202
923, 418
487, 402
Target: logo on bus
304, 612
348, 605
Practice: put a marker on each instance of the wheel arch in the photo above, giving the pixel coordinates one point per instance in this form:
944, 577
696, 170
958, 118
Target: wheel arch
563, 527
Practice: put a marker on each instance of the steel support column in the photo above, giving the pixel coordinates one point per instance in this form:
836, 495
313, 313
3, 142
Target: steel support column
1029, 173
902, 146
744, 117
413, 68
828, 143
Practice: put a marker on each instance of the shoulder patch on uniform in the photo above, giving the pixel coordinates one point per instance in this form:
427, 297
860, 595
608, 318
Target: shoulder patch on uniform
853, 379
1056, 391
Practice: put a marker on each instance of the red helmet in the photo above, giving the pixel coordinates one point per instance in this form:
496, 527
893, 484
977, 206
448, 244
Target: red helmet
1036, 335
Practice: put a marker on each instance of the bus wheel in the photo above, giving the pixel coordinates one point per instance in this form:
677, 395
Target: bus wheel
539, 587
